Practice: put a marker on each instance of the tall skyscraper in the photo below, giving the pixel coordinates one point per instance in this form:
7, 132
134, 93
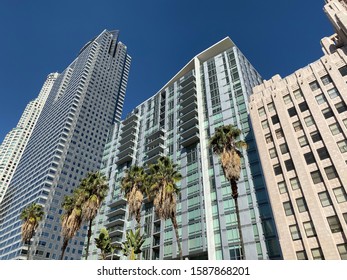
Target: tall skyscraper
15, 141
209, 91
67, 142
301, 124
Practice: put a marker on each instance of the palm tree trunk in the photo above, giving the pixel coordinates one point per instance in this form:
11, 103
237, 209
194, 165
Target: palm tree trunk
235, 195
175, 225
63, 248
89, 235
28, 258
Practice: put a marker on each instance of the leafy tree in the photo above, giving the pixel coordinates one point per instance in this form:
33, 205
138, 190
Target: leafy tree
31, 216
164, 191
103, 242
132, 245
225, 143
133, 185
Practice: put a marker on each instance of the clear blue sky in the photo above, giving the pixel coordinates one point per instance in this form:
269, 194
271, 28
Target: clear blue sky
39, 37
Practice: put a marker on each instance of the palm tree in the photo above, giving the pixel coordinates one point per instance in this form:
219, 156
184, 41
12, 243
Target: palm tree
133, 185
164, 177
225, 143
93, 191
31, 216
71, 219
103, 242
132, 244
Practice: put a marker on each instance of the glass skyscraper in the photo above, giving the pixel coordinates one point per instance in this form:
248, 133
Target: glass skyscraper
66, 143
210, 90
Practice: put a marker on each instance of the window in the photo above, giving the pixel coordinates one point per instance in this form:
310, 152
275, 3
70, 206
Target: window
303, 106
309, 158
297, 126
289, 165
340, 194
261, 111
314, 85
317, 254
279, 133
297, 94
277, 169
295, 183
342, 146
320, 99
334, 224
341, 107
345, 217
309, 121
309, 229
335, 128
284, 148
342, 248
345, 122
264, 124
292, 112
316, 177
303, 141
268, 138
327, 113
287, 99
326, 80
343, 70
288, 209
324, 198
275, 119
331, 173
270, 107
294, 231
323, 153
272, 153
301, 203
315, 136
282, 187
301, 255
333, 93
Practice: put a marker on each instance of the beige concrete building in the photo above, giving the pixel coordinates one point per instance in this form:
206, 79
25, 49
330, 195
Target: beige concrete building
300, 123
11, 149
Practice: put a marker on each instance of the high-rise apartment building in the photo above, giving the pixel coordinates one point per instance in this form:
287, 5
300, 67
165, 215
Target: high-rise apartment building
209, 91
15, 141
67, 142
300, 123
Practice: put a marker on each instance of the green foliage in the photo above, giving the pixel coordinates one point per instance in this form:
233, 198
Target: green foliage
132, 245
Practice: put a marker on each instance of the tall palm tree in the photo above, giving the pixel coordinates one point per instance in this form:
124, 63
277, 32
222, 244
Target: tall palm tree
133, 185
94, 189
225, 143
132, 244
71, 219
31, 216
163, 189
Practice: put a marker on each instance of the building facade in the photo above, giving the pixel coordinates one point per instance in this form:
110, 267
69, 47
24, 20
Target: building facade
15, 141
301, 124
209, 91
67, 142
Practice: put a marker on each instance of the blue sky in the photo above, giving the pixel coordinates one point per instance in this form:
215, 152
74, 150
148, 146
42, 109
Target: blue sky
39, 37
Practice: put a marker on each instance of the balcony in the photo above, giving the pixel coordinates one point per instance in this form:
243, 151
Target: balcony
116, 210
127, 137
189, 115
132, 118
187, 80
189, 107
153, 158
155, 149
189, 131
185, 142
116, 231
189, 98
115, 220
128, 130
124, 158
185, 125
